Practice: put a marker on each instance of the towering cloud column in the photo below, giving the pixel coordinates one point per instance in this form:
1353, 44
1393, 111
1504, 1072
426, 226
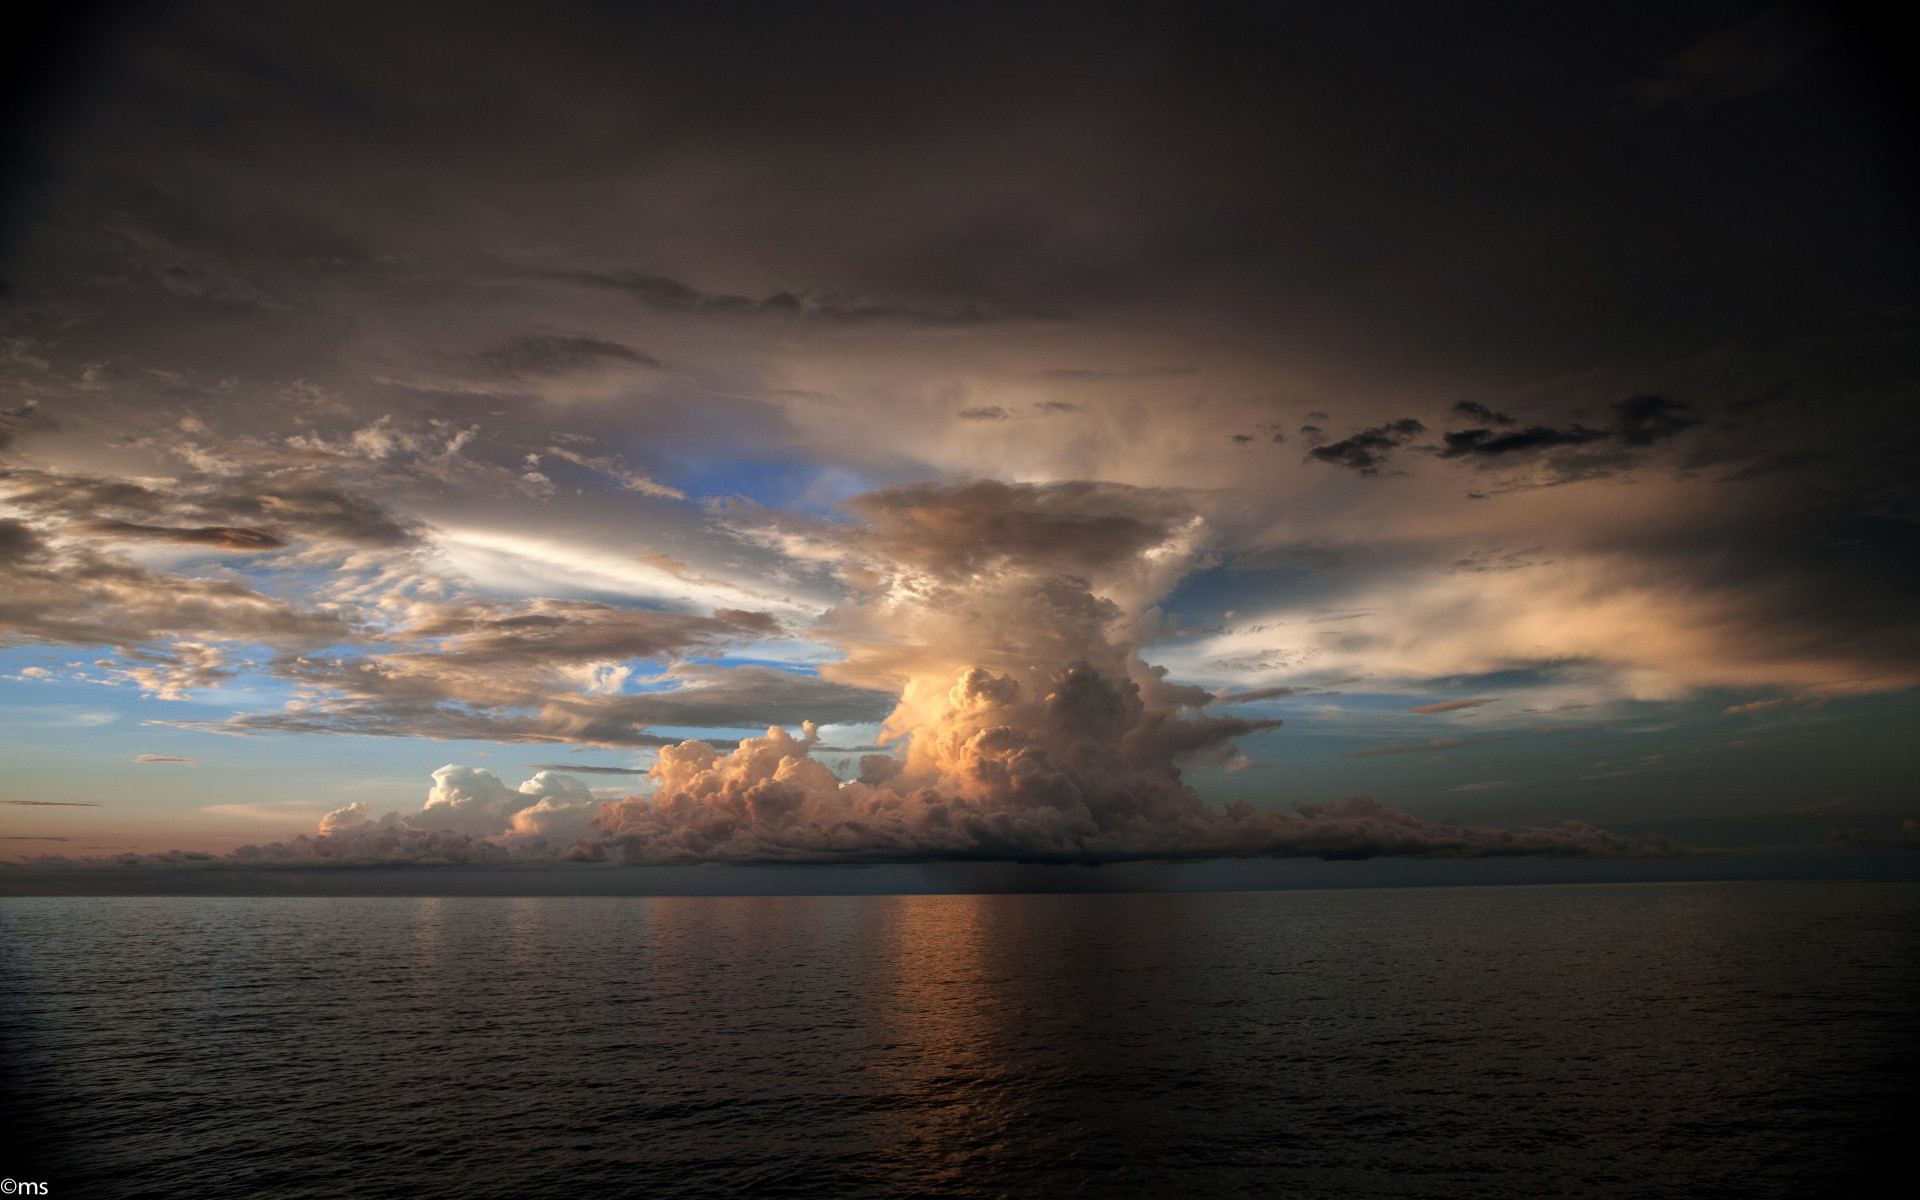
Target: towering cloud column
1007, 617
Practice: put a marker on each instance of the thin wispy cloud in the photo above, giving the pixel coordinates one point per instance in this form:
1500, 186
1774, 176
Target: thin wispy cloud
1452, 705
1432, 745
54, 803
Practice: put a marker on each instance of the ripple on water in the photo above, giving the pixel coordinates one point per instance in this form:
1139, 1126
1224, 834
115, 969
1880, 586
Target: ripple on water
1716, 1040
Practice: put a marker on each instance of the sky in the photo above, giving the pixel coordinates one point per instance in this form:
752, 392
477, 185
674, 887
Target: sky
1306, 444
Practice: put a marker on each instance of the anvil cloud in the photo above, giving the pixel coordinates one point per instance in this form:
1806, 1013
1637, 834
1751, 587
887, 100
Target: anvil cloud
1047, 403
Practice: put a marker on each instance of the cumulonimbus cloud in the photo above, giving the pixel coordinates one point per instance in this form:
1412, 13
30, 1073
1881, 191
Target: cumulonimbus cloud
1006, 619
768, 801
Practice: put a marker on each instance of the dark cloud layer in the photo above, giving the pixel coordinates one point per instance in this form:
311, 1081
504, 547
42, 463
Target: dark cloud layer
1638, 421
532, 354
329, 304
1368, 450
247, 510
1907, 838
225, 537
963, 196
71, 596
963, 530
553, 631
501, 675
670, 295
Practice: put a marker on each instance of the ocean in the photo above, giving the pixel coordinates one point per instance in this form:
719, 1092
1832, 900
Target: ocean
1741, 1040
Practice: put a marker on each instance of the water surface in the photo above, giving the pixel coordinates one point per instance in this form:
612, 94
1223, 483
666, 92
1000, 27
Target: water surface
1645, 1041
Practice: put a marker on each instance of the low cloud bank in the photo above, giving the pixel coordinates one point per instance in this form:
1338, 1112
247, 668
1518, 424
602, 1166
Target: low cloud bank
1908, 838
768, 801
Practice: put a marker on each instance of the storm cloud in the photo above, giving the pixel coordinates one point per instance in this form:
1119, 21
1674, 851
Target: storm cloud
1001, 622
599, 375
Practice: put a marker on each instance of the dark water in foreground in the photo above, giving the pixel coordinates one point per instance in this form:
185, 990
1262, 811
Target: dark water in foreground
1711, 1040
